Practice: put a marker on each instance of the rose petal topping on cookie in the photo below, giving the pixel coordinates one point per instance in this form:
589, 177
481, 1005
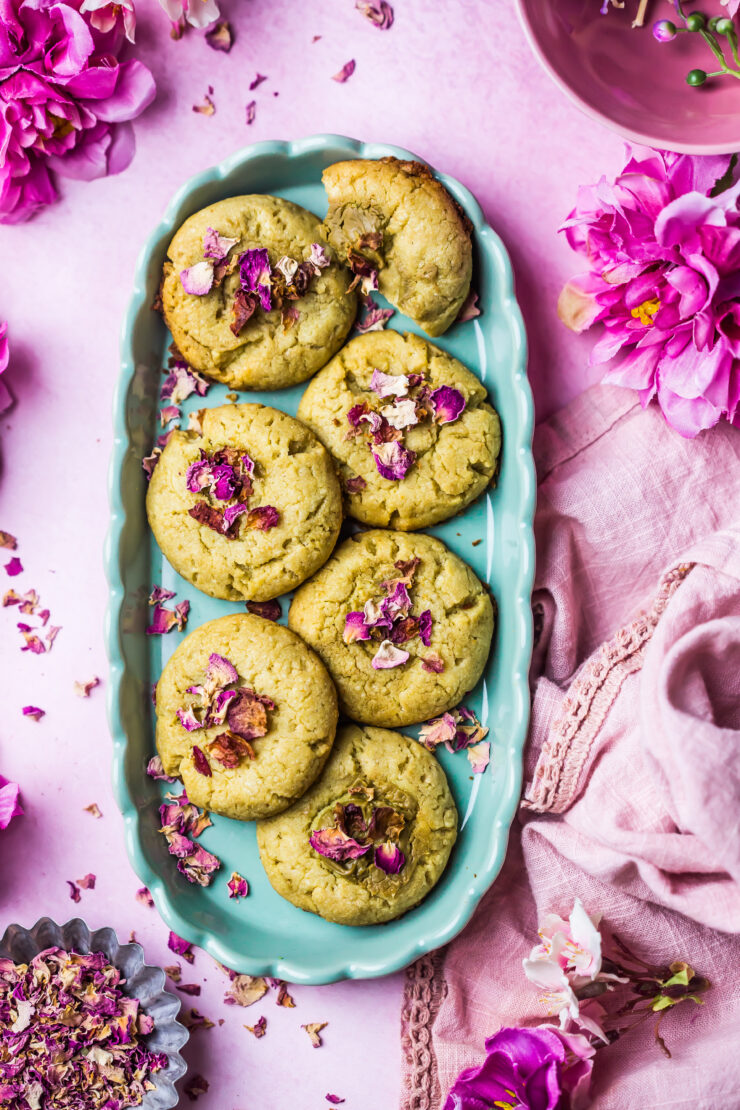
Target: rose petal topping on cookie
425, 627
220, 672
389, 385
200, 762
355, 628
247, 716
401, 414
238, 886
217, 246
479, 756
393, 461
229, 750
268, 610
448, 404
432, 663
318, 257
335, 844
232, 513
198, 279
219, 707
243, 308
388, 656
254, 273
287, 267
356, 484
263, 518
356, 413
188, 719
389, 858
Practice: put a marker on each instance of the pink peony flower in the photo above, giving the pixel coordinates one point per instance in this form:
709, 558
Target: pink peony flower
663, 255
10, 806
104, 16
530, 1069
198, 13
66, 102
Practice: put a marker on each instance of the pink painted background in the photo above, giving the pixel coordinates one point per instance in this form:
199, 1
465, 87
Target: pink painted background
453, 82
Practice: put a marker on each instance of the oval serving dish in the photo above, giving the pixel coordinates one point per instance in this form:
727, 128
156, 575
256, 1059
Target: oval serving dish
263, 934
143, 981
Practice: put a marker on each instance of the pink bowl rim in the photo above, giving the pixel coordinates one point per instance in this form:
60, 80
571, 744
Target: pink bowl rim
642, 138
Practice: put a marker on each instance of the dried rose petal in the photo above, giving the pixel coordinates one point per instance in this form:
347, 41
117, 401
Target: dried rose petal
469, 308
247, 716
7, 541
33, 712
172, 971
229, 750
389, 858
180, 947
355, 628
238, 886
82, 689
74, 891
259, 1028
313, 1028
479, 756
192, 989
336, 844
198, 279
196, 1087
355, 485
379, 12
402, 414
263, 518
200, 762
335, 1100
243, 308
393, 461
438, 731
149, 462
256, 81
254, 272
374, 318
389, 385
268, 610
220, 36
284, 997
13, 567
425, 627
448, 404
94, 810
160, 594
144, 897
194, 1019
207, 108
181, 382
87, 882
432, 663
168, 413
155, 770
318, 257
250, 114
245, 990
217, 246
345, 72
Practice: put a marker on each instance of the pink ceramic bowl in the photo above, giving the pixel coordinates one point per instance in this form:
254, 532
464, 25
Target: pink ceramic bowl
630, 82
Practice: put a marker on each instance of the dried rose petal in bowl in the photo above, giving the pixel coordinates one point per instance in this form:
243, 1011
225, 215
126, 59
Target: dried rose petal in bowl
120, 985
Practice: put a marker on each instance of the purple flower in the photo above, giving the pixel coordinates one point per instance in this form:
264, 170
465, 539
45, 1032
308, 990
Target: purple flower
663, 259
65, 101
531, 1069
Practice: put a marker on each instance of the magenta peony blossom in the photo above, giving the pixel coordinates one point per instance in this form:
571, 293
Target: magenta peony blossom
65, 100
663, 279
540, 1068
10, 806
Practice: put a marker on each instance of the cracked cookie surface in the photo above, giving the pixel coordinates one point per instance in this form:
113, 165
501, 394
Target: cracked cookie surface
462, 627
275, 663
402, 774
425, 260
455, 462
264, 355
293, 472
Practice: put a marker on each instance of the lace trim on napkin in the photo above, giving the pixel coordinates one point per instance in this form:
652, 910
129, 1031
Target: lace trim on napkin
590, 696
424, 990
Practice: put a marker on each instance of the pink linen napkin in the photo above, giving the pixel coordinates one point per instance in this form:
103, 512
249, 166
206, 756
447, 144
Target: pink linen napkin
632, 771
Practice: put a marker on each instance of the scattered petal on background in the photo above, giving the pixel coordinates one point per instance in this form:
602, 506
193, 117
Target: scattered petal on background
345, 72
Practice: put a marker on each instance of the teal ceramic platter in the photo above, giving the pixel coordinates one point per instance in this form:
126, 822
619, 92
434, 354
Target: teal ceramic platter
263, 934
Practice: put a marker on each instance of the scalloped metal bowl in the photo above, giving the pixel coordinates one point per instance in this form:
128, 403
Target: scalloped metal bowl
142, 981
263, 934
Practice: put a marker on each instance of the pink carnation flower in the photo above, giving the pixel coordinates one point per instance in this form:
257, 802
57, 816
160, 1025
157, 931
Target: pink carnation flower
663, 256
66, 101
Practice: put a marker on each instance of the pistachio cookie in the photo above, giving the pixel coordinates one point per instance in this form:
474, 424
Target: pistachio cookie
403, 626
409, 427
400, 231
246, 716
247, 508
251, 297
371, 838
